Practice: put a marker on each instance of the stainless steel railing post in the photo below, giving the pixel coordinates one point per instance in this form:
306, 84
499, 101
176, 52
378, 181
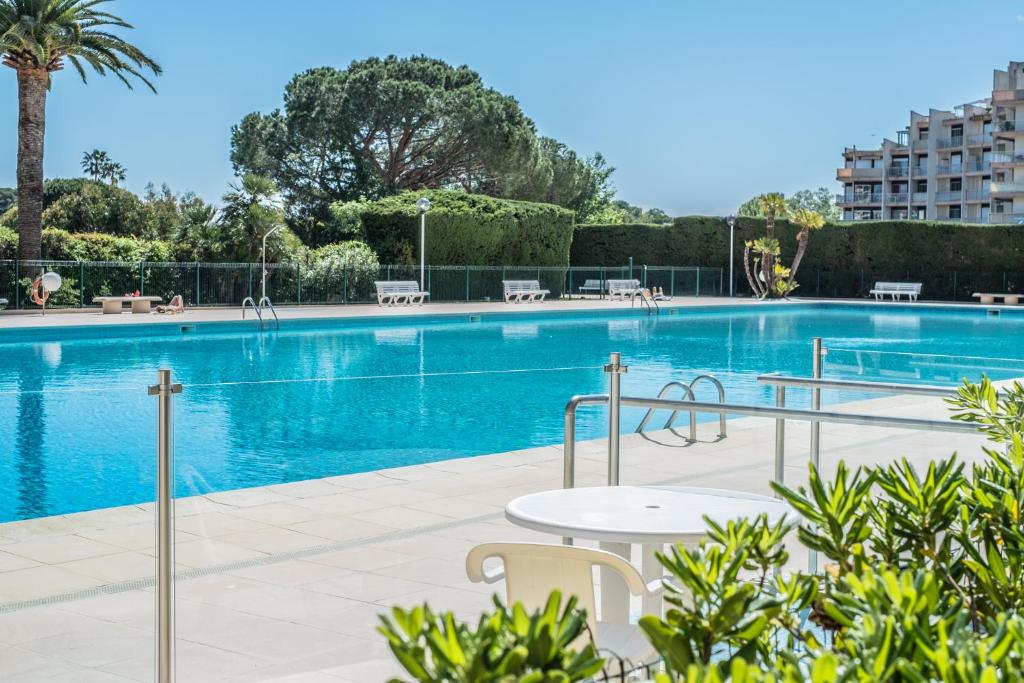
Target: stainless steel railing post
818, 353
780, 437
164, 390
615, 370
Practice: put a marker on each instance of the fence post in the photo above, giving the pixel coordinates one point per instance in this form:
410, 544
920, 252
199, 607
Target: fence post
344, 283
142, 278
467, 284
698, 282
600, 294
570, 283
645, 276
250, 280
81, 284
954, 285
630, 276
197, 283
817, 283
17, 283
672, 285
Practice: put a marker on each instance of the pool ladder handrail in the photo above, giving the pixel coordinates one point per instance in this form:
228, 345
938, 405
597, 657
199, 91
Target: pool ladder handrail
689, 396
650, 303
266, 303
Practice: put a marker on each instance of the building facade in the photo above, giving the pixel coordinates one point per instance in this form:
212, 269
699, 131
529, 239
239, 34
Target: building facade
964, 165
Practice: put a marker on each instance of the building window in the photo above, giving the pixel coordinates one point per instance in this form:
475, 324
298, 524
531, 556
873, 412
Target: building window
956, 130
956, 184
920, 212
922, 134
921, 186
954, 212
900, 214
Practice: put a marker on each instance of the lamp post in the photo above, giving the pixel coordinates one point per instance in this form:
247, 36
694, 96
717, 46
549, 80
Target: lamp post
263, 256
423, 204
731, 220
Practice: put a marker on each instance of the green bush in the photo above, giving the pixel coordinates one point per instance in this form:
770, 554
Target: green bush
469, 229
335, 267
8, 243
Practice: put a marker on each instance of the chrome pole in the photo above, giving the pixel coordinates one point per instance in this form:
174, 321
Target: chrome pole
818, 352
423, 251
780, 437
615, 370
164, 390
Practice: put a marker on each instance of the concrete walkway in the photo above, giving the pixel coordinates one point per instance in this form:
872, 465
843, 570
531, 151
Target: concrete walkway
285, 582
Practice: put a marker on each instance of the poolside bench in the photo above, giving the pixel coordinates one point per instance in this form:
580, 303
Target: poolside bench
591, 287
399, 292
517, 291
623, 288
1008, 299
896, 290
114, 304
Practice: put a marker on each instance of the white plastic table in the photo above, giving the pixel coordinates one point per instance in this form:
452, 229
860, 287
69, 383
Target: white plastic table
651, 516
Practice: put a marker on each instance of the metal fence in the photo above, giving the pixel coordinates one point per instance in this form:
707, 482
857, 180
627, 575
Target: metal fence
938, 285
227, 284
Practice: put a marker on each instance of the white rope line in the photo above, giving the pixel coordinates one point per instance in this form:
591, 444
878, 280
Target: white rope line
306, 380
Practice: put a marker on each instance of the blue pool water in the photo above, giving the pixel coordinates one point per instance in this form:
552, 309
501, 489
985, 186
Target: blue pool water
335, 397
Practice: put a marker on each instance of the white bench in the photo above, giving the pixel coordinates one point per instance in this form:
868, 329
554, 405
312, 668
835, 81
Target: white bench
392, 292
896, 290
1008, 299
623, 288
114, 304
517, 291
591, 286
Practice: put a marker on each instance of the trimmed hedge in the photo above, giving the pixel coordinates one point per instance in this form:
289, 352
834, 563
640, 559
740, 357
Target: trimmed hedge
469, 229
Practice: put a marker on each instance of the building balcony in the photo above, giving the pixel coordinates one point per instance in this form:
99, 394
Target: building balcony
859, 200
1006, 217
920, 171
977, 166
1009, 158
1008, 126
976, 196
920, 198
949, 197
897, 198
946, 143
979, 140
897, 171
1006, 188
949, 169
858, 173
1007, 96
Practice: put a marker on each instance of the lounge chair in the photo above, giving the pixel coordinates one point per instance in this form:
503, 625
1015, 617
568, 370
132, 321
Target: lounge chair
399, 292
518, 291
896, 290
532, 570
591, 287
623, 289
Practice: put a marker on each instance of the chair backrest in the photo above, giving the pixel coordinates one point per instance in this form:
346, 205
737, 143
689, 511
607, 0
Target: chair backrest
512, 286
533, 570
592, 284
623, 285
914, 287
397, 287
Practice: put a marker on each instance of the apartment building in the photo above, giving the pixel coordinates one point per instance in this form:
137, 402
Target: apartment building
966, 164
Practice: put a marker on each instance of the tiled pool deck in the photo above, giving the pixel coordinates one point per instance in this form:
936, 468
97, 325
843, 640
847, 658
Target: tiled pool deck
285, 582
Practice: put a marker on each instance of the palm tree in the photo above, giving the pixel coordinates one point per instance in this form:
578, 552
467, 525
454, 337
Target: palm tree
807, 220
36, 37
93, 163
113, 172
771, 205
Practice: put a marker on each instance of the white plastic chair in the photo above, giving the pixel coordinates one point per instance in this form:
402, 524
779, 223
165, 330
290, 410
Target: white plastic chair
532, 570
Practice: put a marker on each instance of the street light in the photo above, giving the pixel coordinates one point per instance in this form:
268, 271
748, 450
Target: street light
423, 205
731, 220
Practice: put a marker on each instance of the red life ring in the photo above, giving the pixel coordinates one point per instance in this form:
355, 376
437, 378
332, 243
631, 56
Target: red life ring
39, 293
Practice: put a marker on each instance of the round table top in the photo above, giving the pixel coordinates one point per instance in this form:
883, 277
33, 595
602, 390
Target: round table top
638, 514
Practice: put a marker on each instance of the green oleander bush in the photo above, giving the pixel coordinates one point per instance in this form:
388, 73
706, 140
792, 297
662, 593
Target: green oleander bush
469, 229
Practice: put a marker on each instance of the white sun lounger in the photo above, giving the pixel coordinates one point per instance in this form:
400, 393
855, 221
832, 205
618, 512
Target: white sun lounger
591, 287
896, 290
518, 291
399, 292
623, 289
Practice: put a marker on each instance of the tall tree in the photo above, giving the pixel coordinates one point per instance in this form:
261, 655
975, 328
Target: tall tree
94, 162
820, 201
36, 37
114, 172
379, 127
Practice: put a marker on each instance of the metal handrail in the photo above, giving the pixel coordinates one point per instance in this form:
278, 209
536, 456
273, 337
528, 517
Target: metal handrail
858, 385
688, 391
265, 302
255, 309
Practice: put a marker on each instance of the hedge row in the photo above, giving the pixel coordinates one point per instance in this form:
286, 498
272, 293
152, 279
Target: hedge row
914, 247
469, 229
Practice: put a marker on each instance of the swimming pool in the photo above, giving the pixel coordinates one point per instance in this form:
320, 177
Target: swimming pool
322, 398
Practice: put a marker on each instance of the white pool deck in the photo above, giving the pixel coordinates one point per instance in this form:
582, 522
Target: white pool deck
285, 582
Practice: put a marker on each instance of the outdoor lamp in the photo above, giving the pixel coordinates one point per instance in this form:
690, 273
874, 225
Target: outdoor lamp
423, 204
731, 220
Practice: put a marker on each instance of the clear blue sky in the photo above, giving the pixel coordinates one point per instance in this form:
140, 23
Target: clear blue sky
698, 105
